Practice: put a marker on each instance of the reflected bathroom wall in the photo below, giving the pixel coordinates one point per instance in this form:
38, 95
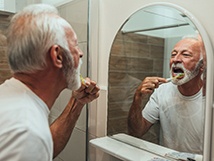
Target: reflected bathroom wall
4, 67
133, 57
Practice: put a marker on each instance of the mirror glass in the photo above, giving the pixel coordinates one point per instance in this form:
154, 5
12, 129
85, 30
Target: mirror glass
143, 48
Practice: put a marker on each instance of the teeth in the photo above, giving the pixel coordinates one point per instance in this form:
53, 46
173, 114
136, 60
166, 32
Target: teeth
179, 75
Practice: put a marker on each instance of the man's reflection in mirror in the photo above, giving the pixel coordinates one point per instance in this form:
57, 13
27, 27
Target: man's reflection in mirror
177, 103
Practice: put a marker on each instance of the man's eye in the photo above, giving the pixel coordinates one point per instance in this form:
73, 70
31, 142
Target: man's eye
187, 54
173, 54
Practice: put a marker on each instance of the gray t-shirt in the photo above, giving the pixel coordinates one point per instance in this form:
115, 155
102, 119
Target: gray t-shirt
181, 118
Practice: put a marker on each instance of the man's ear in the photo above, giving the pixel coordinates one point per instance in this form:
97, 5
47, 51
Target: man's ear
56, 56
202, 64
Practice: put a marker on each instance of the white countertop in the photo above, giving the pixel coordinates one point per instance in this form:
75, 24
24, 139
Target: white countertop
129, 148
121, 150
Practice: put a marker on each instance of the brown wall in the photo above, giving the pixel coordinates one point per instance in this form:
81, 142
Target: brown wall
133, 57
4, 68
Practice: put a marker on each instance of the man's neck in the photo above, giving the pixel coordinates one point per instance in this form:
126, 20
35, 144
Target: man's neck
41, 84
191, 88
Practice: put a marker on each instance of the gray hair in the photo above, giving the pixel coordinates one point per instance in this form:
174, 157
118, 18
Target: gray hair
203, 57
198, 38
31, 33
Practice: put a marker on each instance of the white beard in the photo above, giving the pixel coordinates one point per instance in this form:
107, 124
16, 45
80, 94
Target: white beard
188, 75
73, 77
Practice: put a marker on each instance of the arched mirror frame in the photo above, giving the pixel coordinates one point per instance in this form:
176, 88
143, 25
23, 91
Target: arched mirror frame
209, 80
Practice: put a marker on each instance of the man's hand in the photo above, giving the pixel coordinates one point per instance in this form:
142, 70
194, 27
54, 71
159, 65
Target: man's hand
149, 84
147, 87
87, 92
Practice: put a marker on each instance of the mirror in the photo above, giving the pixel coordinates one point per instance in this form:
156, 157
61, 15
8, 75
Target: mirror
142, 48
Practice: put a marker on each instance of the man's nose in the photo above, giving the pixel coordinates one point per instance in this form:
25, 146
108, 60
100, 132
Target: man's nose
80, 53
177, 58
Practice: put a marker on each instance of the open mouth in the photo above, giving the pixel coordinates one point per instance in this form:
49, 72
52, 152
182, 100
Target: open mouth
178, 73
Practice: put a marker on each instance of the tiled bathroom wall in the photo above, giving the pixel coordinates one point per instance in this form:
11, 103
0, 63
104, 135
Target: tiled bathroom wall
133, 57
4, 68
75, 12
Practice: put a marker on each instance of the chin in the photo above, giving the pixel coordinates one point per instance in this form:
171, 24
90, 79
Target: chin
188, 76
73, 77
179, 82
184, 80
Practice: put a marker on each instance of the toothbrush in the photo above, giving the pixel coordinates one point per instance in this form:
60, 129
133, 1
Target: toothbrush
179, 75
83, 81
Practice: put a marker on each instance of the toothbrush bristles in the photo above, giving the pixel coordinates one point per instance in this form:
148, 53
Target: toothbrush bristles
83, 81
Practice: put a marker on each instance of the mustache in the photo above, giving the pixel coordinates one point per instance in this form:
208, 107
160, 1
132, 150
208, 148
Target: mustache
180, 65
178, 68
80, 62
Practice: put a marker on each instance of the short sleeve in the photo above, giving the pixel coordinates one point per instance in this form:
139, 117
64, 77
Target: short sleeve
151, 110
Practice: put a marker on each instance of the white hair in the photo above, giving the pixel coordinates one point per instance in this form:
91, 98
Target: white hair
31, 33
198, 38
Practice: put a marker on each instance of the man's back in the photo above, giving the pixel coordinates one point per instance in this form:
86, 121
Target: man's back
25, 132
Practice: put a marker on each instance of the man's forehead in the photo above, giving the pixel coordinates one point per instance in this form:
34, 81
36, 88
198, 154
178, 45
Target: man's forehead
189, 40
188, 43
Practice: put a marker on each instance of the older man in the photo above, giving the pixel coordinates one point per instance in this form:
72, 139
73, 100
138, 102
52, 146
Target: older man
177, 105
44, 56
